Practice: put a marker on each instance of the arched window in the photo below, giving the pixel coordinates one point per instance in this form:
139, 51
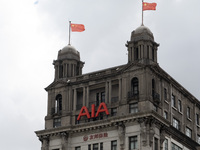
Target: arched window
134, 84
58, 103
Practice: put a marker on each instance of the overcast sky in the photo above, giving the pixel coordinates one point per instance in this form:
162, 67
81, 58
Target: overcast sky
31, 35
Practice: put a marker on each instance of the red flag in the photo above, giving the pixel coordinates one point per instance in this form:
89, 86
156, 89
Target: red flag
149, 6
77, 27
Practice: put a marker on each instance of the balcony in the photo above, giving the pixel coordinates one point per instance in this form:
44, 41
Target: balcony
156, 97
79, 106
114, 99
56, 111
133, 95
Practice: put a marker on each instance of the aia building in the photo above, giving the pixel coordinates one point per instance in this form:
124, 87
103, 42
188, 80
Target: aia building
134, 106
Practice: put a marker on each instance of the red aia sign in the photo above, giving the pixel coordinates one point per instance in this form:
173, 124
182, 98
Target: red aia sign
84, 111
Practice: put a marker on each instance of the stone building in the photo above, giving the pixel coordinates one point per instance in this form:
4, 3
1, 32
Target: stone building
135, 106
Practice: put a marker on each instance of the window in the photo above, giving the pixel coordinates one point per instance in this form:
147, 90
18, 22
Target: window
176, 124
165, 93
114, 145
188, 132
101, 146
166, 144
198, 139
58, 104
188, 112
133, 108
113, 111
136, 53
155, 144
179, 106
97, 99
175, 147
89, 147
135, 86
77, 121
78, 148
155, 108
165, 115
197, 119
153, 54
102, 96
56, 122
153, 88
95, 146
132, 142
173, 101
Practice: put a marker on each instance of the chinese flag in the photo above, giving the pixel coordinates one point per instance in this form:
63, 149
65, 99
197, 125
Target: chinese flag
149, 6
77, 27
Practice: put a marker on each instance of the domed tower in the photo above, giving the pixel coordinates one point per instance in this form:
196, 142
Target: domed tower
142, 48
68, 63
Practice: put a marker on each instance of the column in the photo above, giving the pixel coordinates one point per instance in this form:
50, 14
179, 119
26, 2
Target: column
88, 96
110, 91
106, 92
84, 94
120, 89
75, 99
45, 143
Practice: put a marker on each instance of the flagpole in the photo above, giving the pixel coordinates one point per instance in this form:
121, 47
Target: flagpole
69, 32
142, 13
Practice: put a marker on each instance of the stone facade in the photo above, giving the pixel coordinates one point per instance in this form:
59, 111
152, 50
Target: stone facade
148, 109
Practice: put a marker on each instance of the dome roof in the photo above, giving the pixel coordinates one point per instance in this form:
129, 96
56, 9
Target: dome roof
68, 52
142, 33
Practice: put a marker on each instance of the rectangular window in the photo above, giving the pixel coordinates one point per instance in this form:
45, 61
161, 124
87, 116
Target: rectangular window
77, 121
95, 146
89, 147
78, 148
165, 115
197, 119
97, 99
165, 93
173, 101
133, 108
188, 132
113, 111
176, 124
155, 144
179, 105
198, 139
133, 142
102, 96
166, 144
114, 145
56, 122
188, 112
101, 146
175, 147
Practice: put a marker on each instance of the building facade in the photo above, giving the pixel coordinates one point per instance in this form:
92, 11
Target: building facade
135, 106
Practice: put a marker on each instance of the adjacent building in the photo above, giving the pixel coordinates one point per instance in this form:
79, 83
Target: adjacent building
134, 106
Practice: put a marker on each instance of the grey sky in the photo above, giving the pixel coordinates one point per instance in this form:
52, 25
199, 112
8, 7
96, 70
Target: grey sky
31, 36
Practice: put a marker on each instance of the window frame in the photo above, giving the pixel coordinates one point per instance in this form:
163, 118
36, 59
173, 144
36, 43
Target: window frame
176, 124
188, 112
133, 108
179, 105
173, 101
114, 145
188, 132
133, 140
